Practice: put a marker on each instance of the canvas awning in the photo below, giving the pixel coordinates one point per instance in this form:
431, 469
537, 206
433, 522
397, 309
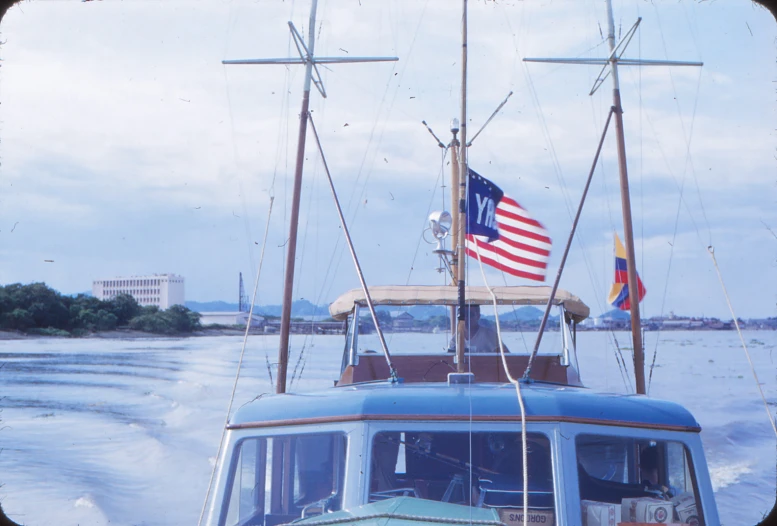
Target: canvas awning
448, 295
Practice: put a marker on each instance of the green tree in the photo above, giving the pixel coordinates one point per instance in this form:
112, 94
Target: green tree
124, 307
150, 323
175, 320
106, 321
182, 319
18, 319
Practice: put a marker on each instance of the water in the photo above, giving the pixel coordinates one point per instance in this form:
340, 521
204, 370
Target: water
98, 432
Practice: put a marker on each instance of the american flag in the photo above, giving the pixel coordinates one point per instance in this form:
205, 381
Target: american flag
523, 247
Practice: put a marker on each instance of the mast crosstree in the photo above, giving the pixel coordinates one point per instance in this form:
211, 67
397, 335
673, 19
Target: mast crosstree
307, 58
610, 68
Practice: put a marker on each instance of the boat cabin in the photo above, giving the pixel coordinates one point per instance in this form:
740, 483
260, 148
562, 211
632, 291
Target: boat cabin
456, 448
433, 359
424, 448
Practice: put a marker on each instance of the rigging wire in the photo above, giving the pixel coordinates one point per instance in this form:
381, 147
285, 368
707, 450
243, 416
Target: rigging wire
681, 199
562, 183
711, 251
559, 174
337, 252
428, 210
686, 137
239, 364
524, 448
299, 275
236, 157
235, 160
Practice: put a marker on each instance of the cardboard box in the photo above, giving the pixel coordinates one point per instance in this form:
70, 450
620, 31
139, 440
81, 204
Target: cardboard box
685, 506
628, 508
647, 510
514, 516
657, 512
600, 513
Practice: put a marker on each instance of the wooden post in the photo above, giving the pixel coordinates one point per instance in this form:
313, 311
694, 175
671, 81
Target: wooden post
631, 263
463, 175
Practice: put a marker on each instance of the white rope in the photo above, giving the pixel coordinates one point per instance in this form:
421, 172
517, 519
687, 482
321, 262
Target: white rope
711, 250
518, 392
239, 365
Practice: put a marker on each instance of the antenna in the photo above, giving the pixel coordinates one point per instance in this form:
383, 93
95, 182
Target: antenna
306, 57
242, 300
610, 68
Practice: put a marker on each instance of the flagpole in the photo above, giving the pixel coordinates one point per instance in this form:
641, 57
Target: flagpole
556, 282
631, 260
612, 61
463, 176
312, 76
455, 223
291, 247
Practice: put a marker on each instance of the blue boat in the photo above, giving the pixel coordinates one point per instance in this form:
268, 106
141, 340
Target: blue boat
437, 446
470, 433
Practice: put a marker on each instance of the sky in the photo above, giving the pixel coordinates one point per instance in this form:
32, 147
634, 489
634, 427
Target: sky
127, 148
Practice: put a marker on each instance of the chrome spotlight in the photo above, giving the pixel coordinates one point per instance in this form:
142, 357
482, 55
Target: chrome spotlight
441, 222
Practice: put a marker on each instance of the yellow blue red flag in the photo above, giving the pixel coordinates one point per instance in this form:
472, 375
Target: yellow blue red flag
619, 292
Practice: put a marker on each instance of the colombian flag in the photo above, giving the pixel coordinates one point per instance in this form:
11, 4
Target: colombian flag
619, 293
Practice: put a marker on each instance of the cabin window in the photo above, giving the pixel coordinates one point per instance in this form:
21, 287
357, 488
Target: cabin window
483, 469
631, 480
426, 329
275, 480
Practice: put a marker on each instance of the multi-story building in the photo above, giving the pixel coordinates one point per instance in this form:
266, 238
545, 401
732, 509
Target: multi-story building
162, 290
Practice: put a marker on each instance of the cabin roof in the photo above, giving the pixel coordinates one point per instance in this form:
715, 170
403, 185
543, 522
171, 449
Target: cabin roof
441, 402
448, 295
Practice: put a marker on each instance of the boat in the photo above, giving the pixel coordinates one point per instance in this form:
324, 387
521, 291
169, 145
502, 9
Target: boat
452, 437
434, 444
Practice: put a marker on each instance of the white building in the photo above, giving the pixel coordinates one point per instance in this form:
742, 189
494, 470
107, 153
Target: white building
162, 290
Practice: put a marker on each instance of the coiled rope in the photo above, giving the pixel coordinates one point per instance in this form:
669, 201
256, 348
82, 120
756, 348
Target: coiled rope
711, 251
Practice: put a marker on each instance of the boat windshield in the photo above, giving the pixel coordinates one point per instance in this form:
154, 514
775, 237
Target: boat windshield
275, 480
636, 480
403, 325
478, 468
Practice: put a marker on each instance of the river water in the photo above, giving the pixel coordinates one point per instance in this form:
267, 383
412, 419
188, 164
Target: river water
125, 432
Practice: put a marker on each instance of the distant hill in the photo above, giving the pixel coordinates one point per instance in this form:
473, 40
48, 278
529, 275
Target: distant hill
301, 307
424, 312
526, 313
617, 314
211, 306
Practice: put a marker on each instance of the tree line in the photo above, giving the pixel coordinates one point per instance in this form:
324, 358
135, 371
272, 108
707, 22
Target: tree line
39, 309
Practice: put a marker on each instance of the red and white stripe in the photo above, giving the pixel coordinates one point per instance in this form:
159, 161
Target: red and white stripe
523, 247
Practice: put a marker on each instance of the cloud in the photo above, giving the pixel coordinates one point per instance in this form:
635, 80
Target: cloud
128, 148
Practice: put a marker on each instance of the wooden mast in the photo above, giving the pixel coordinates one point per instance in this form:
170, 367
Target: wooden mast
307, 58
291, 245
631, 260
461, 256
612, 61
455, 223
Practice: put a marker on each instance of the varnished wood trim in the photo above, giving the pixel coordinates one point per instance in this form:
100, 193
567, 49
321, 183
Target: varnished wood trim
461, 418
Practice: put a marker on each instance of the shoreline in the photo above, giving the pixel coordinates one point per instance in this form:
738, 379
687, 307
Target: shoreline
128, 334
125, 335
